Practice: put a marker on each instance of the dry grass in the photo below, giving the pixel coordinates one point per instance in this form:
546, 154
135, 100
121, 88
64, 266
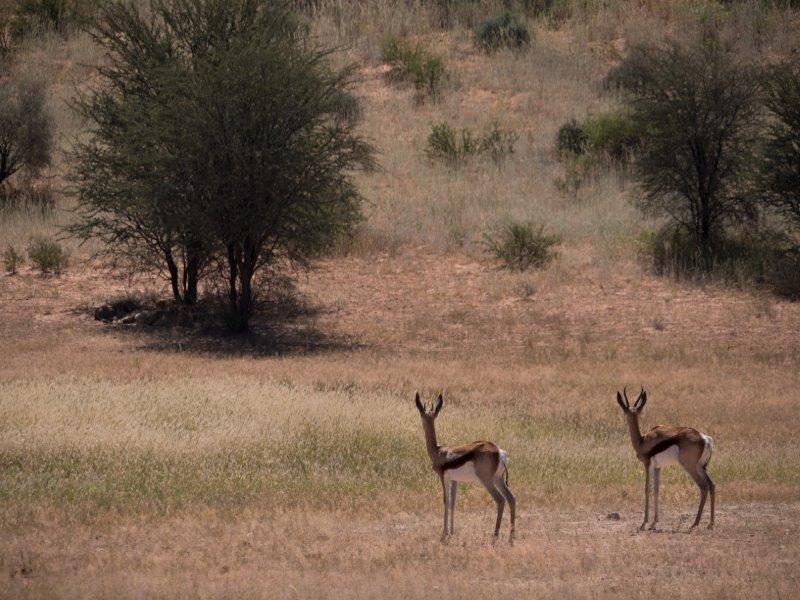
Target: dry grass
291, 463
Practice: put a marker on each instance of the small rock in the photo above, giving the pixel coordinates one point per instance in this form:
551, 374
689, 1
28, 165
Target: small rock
613, 516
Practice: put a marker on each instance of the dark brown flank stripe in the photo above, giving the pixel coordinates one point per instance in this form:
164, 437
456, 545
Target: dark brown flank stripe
662, 446
458, 461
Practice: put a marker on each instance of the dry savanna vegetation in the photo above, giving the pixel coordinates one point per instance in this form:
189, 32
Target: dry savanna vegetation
289, 461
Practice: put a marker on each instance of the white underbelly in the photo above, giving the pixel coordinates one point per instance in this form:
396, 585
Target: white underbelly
666, 458
465, 472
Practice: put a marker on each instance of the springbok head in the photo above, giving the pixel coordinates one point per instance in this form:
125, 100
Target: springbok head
429, 415
637, 407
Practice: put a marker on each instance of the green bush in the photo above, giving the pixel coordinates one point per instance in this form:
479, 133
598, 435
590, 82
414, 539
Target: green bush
498, 143
12, 259
613, 135
453, 147
450, 146
760, 259
503, 30
412, 63
571, 139
47, 255
520, 246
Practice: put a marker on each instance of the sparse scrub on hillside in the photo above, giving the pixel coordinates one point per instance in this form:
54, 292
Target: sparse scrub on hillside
610, 137
695, 158
571, 139
520, 246
47, 255
412, 63
27, 194
454, 148
12, 259
748, 259
62, 16
502, 31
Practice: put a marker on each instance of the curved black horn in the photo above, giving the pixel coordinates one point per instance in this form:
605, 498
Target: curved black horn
621, 403
625, 393
438, 406
641, 400
418, 402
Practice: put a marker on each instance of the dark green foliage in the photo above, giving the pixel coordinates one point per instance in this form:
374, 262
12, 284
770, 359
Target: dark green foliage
223, 137
453, 147
450, 146
760, 259
613, 135
12, 259
571, 139
779, 176
47, 255
520, 246
697, 108
412, 63
26, 130
502, 31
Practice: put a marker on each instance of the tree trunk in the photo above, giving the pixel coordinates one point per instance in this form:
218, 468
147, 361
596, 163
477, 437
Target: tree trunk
174, 278
192, 276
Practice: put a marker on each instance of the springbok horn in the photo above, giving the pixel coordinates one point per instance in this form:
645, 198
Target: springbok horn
639, 399
625, 393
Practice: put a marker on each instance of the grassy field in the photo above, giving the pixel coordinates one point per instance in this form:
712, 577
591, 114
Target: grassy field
291, 462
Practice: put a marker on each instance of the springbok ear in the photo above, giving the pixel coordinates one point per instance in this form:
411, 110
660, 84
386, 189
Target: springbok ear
438, 406
621, 402
418, 402
641, 400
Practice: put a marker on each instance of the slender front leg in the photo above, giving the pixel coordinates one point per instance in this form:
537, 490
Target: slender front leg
646, 497
453, 490
656, 488
444, 494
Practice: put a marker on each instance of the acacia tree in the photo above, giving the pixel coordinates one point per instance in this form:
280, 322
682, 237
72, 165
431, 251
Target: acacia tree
697, 106
779, 176
223, 133
138, 188
277, 130
25, 127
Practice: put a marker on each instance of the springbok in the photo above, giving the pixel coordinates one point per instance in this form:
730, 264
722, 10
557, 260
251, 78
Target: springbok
479, 461
665, 446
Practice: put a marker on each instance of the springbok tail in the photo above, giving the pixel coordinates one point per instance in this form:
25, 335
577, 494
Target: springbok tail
707, 450
504, 462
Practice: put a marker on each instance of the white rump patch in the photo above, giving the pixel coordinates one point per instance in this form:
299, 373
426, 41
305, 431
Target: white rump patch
709, 446
666, 458
501, 468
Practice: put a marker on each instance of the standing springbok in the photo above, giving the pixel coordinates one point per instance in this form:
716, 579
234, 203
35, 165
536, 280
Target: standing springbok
665, 446
479, 461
